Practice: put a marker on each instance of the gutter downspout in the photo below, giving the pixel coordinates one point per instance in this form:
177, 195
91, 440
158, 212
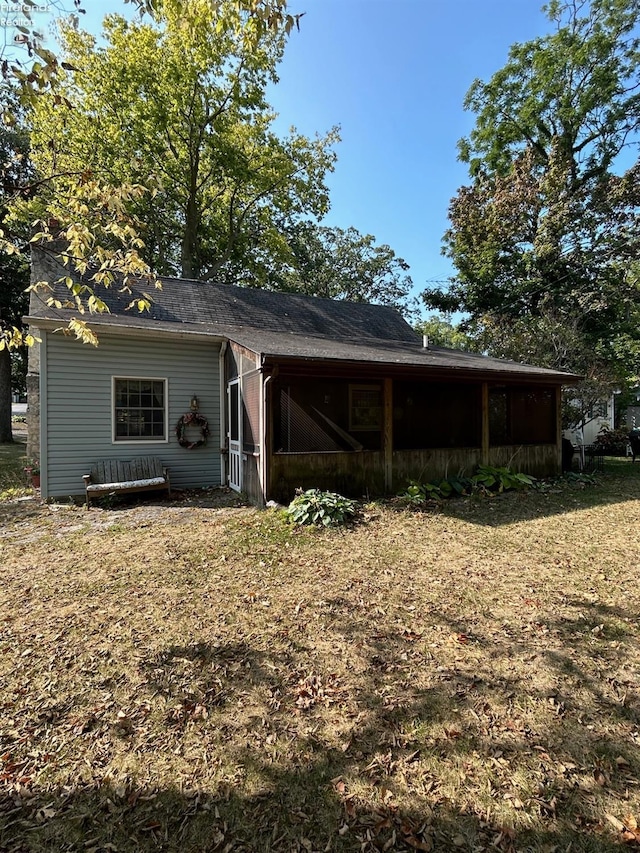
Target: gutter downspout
43, 409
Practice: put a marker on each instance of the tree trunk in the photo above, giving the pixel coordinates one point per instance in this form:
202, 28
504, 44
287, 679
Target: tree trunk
190, 239
190, 249
187, 256
6, 435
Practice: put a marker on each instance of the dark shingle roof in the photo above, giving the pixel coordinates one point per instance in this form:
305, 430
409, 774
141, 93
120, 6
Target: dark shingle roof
289, 326
204, 303
397, 353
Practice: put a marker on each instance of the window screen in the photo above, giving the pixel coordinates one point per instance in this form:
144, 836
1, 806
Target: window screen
365, 407
251, 390
521, 416
435, 414
326, 415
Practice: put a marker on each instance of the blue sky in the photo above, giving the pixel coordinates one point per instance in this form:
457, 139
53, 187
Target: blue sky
393, 74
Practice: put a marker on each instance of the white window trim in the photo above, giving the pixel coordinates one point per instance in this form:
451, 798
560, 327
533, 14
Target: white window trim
140, 441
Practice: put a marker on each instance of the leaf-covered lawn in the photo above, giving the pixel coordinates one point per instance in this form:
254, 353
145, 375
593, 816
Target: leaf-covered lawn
13, 480
194, 677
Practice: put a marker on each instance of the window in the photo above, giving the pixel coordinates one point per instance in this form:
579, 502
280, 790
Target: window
140, 410
327, 415
599, 409
365, 407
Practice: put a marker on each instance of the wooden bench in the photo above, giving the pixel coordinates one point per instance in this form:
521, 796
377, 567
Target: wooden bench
142, 474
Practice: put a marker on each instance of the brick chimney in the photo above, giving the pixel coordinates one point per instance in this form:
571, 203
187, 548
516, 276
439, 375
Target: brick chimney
45, 266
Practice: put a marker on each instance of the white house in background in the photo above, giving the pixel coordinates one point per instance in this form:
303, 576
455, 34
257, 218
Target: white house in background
600, 416
632, 418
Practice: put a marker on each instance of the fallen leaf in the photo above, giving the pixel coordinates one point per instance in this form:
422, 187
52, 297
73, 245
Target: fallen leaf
600, 777
339, 785
617, 824
417, 844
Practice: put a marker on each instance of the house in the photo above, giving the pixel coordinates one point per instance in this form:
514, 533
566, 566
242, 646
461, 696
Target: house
296, 391
600, 415
631, 414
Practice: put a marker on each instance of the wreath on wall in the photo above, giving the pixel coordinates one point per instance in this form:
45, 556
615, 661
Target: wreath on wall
192, 419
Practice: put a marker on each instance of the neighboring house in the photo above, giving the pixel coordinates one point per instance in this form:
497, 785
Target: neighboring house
600, 416
297, 391
632, 413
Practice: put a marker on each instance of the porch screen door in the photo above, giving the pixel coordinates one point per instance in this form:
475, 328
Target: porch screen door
235, 435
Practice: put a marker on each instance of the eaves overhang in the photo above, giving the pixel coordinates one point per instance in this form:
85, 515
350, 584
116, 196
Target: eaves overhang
149, 331
309, 365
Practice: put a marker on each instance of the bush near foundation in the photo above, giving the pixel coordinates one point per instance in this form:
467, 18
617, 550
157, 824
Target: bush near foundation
321, 508
487, 480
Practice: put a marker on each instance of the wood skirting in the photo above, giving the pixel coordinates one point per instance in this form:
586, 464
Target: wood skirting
365, 472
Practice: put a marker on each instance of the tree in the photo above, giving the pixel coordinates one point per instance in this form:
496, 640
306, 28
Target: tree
97, 223
35, 69
15, 171
338, 263
24, 61
263, 15
14, 279
178, 107
443, 333
545, 236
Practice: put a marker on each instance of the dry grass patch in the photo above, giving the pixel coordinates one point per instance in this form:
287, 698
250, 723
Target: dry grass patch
13, 481
208, 678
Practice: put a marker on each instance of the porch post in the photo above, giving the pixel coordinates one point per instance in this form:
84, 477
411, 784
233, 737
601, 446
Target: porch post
387, 435
266, 438
484, 456
559, 426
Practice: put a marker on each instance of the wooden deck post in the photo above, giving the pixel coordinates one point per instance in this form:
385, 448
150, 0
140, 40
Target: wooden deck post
559, 426
387, 435
266, 448
484, 455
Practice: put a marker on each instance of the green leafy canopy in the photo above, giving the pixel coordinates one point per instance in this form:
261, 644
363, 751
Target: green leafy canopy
545, 237
177, 106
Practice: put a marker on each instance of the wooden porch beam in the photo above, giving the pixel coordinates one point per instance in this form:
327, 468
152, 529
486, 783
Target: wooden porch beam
559, 425
485, 423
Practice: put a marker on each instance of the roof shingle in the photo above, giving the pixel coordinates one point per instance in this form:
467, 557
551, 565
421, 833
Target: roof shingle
285, 325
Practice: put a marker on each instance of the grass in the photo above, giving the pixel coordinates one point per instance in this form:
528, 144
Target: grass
200, 676
12, 461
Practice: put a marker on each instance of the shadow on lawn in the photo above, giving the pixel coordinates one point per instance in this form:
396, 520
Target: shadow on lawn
292, 790
306, 808
108, 818
619, 483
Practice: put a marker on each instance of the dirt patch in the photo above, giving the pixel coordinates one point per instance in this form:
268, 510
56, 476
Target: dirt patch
28, 518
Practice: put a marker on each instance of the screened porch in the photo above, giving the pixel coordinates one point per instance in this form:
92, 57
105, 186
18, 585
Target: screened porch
371, 436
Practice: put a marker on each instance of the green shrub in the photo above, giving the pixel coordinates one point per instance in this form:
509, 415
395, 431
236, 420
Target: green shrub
490, 479
613, 441
418, 494
322, 508
487, 480
580, 478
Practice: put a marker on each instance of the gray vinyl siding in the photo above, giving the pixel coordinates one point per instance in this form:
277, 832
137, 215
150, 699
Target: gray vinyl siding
77, 421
